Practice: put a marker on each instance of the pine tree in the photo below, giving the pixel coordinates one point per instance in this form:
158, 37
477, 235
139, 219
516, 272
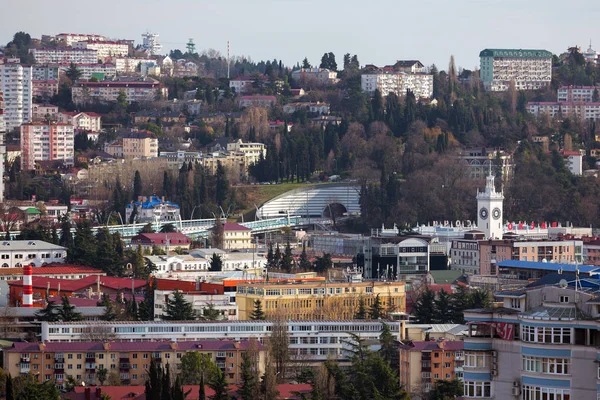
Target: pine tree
202, 389
154, 381
304, 262
249, 386
137, 185
9, 389
210, 313
67, 312
257, 313
362, 311
178, 309
66, 237
220, 386
84, 245
166, 385
138, 264
216, 263
270, 257
287, 259
109, 310
376, 309
389, 348
424, 307
107, 258
459, 301
50, 313
442, 308
277, 258
146, 306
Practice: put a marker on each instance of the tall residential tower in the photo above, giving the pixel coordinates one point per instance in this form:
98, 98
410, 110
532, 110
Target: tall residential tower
15, 83
529, 69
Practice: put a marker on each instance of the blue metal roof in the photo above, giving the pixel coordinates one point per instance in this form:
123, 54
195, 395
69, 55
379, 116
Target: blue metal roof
152, 202
546, 266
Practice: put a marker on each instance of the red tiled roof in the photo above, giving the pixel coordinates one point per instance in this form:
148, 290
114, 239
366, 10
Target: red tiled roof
55, 269
232, 226
451, 345
161, 238
74, 285
258, 97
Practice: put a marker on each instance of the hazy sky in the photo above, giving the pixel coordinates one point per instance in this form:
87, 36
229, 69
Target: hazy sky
379, 31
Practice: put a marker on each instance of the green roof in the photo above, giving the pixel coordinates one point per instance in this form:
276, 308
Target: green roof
445, 276
32, 210
526, 53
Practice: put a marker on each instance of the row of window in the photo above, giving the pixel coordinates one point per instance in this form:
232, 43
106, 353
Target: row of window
544, 393
477, 389
556, 366
540, 334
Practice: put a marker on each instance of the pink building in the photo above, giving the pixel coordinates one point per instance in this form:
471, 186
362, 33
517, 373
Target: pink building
42, 141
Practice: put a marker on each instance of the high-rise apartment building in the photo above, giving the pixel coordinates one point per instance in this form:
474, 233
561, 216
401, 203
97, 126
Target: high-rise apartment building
2, 146
15, 83
529, 69
42, 141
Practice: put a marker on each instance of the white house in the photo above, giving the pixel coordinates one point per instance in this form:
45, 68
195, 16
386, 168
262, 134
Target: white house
18, 253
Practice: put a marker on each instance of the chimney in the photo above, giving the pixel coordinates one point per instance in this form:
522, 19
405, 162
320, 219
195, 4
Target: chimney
88, 394
98, 392
27, 286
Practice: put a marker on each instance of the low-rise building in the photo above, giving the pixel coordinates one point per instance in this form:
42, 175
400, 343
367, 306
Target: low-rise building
164, 241
573, 162
69, 39
44, 112
317, 107
54, 270
175, 159
236, 236
560, 110
464, 253
82, 121
44, 89
199, 300
422, 364
158, 117
152, 209
578, 94
46, 141
257, 101
94, 70
105, 49
139, 144
129, 64
136, 90
241, 84
318, 300
18, 253
321, 76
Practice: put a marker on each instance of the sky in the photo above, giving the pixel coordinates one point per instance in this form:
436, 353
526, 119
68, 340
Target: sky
378, 31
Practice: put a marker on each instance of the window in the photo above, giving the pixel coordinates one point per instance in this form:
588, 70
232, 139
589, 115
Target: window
545, 335
563, 299
479, 389
476, 360
555, 366
536, 392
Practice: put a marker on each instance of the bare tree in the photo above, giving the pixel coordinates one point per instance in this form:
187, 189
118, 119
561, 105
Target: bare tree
7, 321
10, 217
279, 347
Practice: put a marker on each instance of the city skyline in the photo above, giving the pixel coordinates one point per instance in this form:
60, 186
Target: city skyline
265, 30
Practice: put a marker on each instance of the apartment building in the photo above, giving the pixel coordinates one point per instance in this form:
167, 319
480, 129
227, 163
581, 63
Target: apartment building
529, 69
197, 263
83, 360
100, 71
542, 343
43, 112
257, 101
45, 72
386, 81
591, 251
317, 107
235, 163
310, 341
129, 64
322, 76
17, 253
71, 38
175, 159
577, 94
464, 253
172, 241
140, 90
82, 121
424, 363
318, 300
252, 151
241, 84
64, 55
560, 110
236, 236
106, 49
44, 89
140, 144
41, 141
492, 252
16, 84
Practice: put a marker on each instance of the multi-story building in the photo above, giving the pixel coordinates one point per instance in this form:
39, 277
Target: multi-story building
257, 101
541, 344
172, 241
82, 121
88, 71
322, 76
115, 148
478, 161
44, 89
106, 49
151, 43
309, 341
528, 69
16, 84
573, 162
175, 159
560, 110
83, 360
233, 162
241, 84
64, 55
386, 81
236, 236
317, 107
194, 266
44, 112
422, 364
140, 144
17, 253
136, 90
252, 151
41, 141
577, 94
45, 72
396, 257
318, 300
199, 301
591, 251
152, 209
464, 253
71, 38
129, 64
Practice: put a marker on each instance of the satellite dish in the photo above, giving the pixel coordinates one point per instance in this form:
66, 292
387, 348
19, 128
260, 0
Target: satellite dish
563, 283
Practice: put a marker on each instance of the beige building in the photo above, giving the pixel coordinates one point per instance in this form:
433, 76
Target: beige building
82, 121
322, 76
137, 90
236, 236
252, 151
141, 144
234, 163
319, 300
106, 49
44, 112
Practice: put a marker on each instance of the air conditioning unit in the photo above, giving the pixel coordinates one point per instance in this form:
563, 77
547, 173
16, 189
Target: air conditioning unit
516, 384
494, 372
516, 391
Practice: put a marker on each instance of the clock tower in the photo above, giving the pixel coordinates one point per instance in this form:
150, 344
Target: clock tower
489, 209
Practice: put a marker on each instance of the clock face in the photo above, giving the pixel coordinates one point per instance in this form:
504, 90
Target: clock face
496, 213
483, 213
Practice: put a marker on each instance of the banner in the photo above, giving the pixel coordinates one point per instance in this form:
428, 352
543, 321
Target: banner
505, 330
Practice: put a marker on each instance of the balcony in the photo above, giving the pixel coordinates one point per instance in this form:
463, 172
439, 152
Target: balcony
89, 365
124, 366
25, 367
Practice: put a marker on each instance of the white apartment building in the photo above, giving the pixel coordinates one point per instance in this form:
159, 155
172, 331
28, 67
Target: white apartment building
397, 82
241, 84
16, 84
64, 55
18, 253
252, 151
194, 266
45, 72
322, 76
129, 64
106, 49
585, 111
81, 121
41, 141
88, 70
529, 69
138, 90
70, 38
175, 159
577, 94
151, 43
573, 162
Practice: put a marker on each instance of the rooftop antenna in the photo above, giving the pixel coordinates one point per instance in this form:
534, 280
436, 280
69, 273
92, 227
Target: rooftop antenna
228, 55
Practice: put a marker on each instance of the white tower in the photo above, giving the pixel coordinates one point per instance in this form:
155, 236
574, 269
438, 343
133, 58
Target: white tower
489, 209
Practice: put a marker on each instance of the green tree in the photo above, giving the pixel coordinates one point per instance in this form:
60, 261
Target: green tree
459, 302
446, 390
220, 386
168, 228
102, 374
287, 259
84, 248
147, 228
362, 310
137, 185
67, 311
146, 306
9, 390
389, 348
109, 309
303, 262
479, 298
250, 386
154, 381
306, 64
138, 263
73, 73
107, 257
178, 309
216, 263
196, 366
202, 389
322, 264
210, 313
443, 308
222, 187
257, 313
50, 313
424, 307
376, 309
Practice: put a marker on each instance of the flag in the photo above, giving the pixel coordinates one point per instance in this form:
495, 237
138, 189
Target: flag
505, 330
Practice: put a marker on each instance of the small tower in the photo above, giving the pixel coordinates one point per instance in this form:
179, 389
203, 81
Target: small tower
191, 47
489, 208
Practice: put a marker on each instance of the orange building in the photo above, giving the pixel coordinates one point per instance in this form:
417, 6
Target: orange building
424, 363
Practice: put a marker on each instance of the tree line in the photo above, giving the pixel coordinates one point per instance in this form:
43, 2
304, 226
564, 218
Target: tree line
443, 308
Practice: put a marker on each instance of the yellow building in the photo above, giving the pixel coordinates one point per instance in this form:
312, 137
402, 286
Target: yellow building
234, 163
252, 151
236, 236
318, 300
130, 360
142, 144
